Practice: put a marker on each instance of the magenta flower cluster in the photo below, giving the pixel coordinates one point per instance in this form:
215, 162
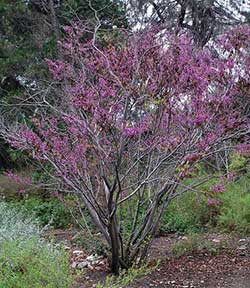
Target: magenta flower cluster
149, 93
18, 179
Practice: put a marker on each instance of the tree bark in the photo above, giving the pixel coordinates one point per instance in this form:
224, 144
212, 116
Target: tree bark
54, 20
115, 247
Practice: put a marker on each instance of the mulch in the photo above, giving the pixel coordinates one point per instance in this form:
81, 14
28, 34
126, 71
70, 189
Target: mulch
230, 268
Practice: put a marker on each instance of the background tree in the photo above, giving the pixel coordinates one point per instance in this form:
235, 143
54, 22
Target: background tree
203, 19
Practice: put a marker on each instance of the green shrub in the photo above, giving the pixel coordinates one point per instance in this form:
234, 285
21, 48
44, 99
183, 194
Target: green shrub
53, 212
127, 218
33, 264
191, 213
235, 211
239, 163
25, 260
187, 213
50, 211
14, 224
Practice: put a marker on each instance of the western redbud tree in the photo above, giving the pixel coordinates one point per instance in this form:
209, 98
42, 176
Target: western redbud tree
134, 119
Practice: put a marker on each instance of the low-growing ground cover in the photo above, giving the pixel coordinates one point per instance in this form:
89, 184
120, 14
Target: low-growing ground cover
26, 260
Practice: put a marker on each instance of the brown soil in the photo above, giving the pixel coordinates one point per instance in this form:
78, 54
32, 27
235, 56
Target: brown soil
230, 268
200, 270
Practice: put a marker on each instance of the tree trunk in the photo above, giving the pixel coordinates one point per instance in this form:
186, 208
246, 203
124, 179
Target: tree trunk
115, 247
54, 20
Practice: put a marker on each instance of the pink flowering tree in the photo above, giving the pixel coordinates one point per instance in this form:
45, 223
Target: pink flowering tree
133, 121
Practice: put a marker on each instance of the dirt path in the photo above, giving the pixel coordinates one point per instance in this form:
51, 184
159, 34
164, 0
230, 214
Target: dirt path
203, 271
198, 269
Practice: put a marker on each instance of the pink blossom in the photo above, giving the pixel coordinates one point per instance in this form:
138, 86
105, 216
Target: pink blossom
200, 119
18, 179
21, 191
56, 68
230, 176
192, 157
213, 202
68, 29
139, 98
243, 148
218, 188
131, 131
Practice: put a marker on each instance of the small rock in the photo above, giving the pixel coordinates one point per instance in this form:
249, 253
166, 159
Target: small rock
77, 252
242, 240
242, 247
216, 240
243, 250
91, 258
73, 265
83, 264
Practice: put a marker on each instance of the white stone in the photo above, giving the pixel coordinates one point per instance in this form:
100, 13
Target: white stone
83, 264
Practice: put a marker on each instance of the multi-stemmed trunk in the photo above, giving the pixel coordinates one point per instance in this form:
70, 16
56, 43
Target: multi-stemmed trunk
134, 251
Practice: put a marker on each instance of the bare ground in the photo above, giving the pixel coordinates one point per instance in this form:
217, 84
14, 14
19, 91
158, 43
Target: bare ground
228, 268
